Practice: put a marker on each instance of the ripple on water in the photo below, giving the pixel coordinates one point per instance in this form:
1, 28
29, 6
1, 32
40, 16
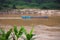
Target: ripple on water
48, 33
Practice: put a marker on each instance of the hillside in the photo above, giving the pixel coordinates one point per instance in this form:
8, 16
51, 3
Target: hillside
21, 4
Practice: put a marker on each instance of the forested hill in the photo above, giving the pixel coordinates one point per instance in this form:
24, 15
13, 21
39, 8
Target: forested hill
41, 4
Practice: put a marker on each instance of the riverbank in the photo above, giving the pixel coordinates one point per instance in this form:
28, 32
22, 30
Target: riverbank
42, 32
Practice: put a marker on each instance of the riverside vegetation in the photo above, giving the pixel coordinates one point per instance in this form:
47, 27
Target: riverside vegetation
6, 35
41, 4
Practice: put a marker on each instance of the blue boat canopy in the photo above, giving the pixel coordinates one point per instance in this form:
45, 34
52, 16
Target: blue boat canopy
26, 17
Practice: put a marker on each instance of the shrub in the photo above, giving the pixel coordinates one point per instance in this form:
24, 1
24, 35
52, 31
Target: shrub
29, 35
5, 36
18, 33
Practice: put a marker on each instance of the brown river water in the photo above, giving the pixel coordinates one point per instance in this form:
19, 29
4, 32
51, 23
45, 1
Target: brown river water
50, 30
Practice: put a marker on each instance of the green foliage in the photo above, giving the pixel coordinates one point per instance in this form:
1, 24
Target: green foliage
8, 34
50, 5
18, 33
2, 35
21, 31
42, 4
14, 7
29, 35
15, 30
5, 36
31, 31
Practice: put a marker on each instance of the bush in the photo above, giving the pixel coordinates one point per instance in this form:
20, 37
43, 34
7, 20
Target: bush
6, 35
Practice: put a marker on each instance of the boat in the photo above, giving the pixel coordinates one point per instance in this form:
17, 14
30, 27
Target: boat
29, 17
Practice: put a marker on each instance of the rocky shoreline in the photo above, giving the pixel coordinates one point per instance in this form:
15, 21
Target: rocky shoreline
31, 12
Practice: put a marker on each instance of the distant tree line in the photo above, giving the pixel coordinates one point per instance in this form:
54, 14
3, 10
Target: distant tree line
44, 4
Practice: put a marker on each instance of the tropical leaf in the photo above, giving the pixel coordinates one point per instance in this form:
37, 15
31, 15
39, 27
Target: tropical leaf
2, 32
31, 31
15, 30
8, 34
20, 31
5, 36
29, 35
2, 38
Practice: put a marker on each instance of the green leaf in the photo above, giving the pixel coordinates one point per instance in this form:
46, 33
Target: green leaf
31, 31
8, 34
29, 37
2, 38
2, 32
20, 31
25, 32
15, 30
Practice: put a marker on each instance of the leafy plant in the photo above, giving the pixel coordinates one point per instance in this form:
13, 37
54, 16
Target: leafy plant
29, 35
18, 33
5, 36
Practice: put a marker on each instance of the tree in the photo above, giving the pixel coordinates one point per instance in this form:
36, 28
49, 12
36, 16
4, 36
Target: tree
14, 6
58, 1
